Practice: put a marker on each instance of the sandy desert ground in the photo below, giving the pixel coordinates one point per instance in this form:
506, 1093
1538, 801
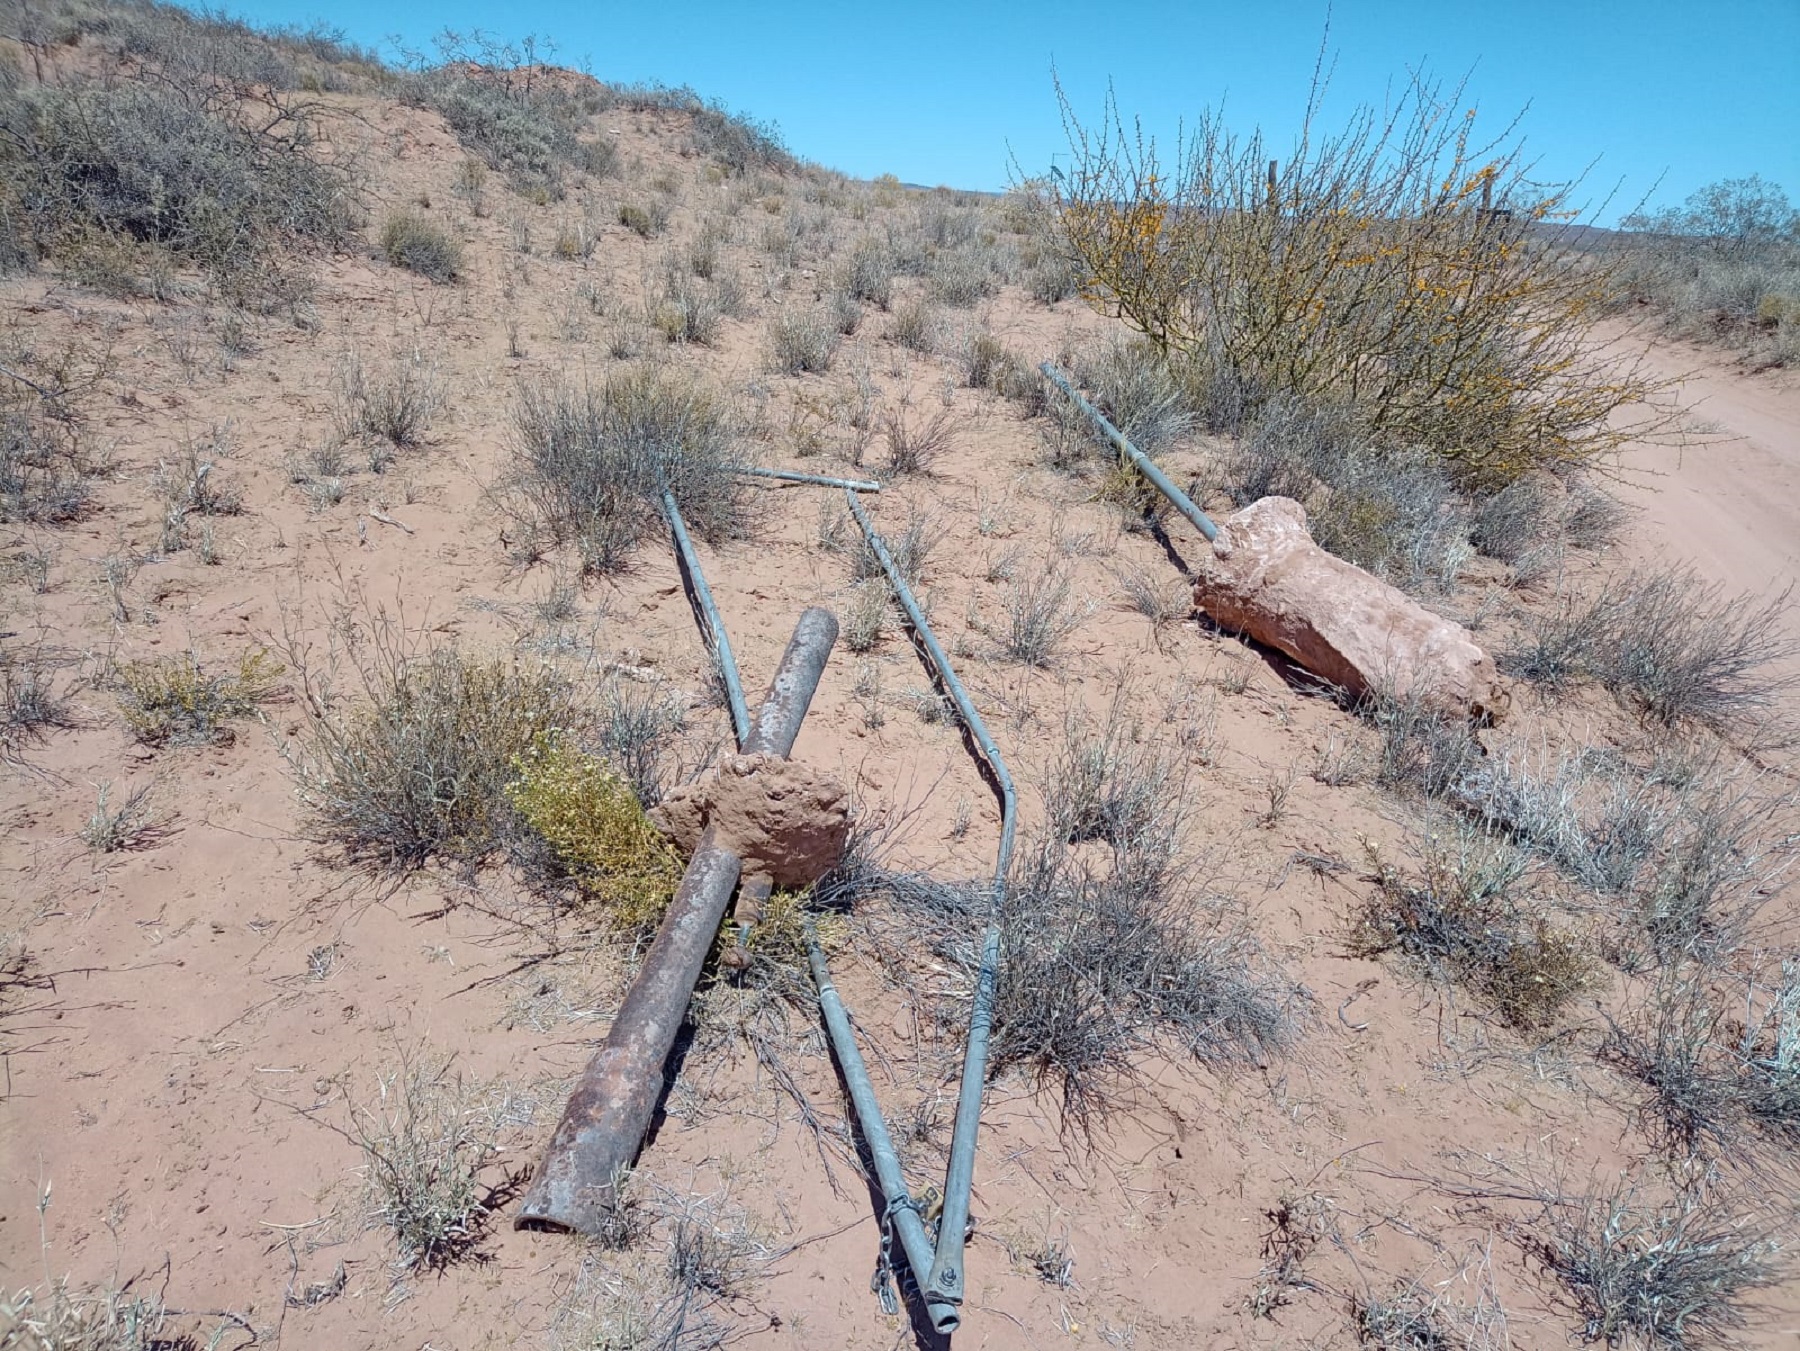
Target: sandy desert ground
197, 1032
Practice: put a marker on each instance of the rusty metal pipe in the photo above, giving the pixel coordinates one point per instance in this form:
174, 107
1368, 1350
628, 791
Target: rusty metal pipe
603, 1126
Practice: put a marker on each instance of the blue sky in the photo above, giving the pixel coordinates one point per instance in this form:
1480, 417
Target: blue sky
1685, 91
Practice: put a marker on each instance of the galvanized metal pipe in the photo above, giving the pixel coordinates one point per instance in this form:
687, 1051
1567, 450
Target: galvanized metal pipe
795, 476
603, 1125
714, 626
946, 1281
1140, 461
902, 1210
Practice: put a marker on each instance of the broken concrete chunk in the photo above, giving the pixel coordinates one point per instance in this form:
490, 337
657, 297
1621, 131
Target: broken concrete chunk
779, 816
1267, 578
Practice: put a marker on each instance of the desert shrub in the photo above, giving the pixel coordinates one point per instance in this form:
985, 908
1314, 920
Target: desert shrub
736, 141
1667, 643
592, 465
426, 1138
395, 405
1106, 959
1461, 920
1130, 383
1718, 1067
217, 184
418, 768
1114, 784
1396, 513
1418, 749
1399, 235
60, 1317
915, 326
915, 444
485, 92
1667, 1277
802, 341
135, 823
1724, 267
1052, 273
865, 618
690, 310
1040, 611
1679, 649
419, 245
962, 279
30, 702
635, 727
592, 821
43, 475
911, 549
174, 701
639, 220
868, 274
192, 484
1405, 1320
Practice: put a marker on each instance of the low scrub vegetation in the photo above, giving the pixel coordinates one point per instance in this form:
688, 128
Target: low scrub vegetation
428, 1136
31, 703
596, 829
417, 768
1106, 957
177, 701
1667, 1277
1724, 267
419, 245
45, 478
205, 174
1465, 919
592, 465
1673, 647
1722, 1066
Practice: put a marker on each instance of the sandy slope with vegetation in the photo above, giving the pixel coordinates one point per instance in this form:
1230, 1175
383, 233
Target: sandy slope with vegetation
1406, 1034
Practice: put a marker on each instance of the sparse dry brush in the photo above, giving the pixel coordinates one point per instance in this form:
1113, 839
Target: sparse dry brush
1108, 955
210, 169
1466, 918
409, 753
1665, 1276
592, 465
1671, 646
179, 701
1398, 269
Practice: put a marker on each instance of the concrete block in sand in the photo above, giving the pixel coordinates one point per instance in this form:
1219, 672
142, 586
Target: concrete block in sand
1266, 577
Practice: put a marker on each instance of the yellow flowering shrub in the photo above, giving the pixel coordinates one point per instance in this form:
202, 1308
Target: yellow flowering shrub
591, 818
1398, 270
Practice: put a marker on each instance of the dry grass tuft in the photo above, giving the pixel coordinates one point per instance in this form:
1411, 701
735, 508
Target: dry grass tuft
592, 464
1462, 921
1666, 1277
419, 245
175, 701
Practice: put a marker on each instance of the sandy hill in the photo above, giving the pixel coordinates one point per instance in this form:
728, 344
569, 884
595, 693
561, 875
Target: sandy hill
327, 394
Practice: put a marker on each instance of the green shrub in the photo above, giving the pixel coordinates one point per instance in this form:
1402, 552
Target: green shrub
410, 241
591, 819
1394, 236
